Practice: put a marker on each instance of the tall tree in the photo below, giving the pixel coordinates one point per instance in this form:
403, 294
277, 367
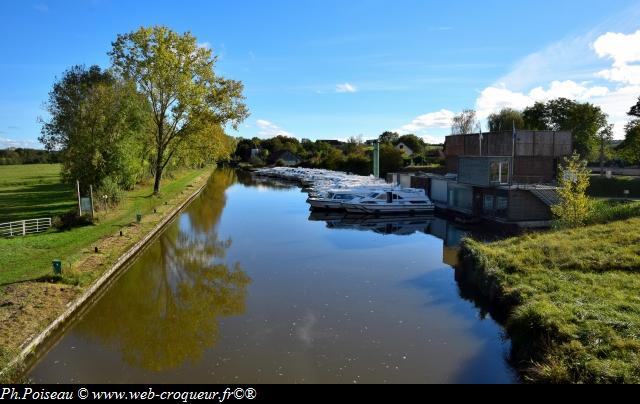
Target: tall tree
464, 122
95, 121
605, 136
388, 137
505, 119
630, 146
415, 143
178, 79
536, 118
635, 110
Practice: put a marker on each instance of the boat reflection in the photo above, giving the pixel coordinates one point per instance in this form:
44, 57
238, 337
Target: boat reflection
450, 234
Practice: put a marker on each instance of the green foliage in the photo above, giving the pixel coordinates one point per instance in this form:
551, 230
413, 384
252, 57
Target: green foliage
605, 211
634, 111
415, 143
108, 195
28, 156
573, 180
391, 159
630, 147
98, 123
389, 137
186, 97
505, 119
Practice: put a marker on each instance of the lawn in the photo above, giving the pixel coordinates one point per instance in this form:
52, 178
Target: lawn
33, 191
29, 258
571, 298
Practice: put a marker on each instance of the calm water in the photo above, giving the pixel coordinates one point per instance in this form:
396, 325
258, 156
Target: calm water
246, 286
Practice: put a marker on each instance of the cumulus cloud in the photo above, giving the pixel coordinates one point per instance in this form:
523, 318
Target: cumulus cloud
269, 129
433, 120
346, 88
624, 50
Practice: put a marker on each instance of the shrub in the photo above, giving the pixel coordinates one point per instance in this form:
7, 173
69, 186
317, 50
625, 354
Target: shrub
108, 195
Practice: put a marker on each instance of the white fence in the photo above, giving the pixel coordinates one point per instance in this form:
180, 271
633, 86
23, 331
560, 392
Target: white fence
24, 227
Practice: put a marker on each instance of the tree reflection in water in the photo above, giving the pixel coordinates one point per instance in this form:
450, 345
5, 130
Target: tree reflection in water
164, 310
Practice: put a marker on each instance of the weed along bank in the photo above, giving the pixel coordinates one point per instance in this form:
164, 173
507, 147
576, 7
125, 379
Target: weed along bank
506, 177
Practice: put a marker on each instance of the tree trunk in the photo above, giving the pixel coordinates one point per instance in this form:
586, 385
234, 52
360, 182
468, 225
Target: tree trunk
159, 167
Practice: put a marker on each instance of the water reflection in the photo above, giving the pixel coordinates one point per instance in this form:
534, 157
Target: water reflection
401, 226
166, 308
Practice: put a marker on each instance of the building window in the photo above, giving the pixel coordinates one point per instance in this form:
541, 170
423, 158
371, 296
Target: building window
487, 205
499, 172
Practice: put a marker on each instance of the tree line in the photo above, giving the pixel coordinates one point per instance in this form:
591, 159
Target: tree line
28, 156
352, 155
158, 107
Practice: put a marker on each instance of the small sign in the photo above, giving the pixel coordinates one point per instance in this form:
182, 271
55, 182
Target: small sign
85, 204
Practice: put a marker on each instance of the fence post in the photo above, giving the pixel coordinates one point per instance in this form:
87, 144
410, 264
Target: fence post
10, 229
37, 226
24, 227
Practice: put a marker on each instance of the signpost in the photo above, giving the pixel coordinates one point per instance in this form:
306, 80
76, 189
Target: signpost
376, 159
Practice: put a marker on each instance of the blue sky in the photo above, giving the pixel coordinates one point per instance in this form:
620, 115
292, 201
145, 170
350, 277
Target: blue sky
334, 69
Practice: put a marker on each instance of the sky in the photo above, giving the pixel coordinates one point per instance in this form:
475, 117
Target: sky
325, 69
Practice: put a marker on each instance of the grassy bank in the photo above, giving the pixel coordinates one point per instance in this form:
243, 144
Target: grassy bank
571, 299
33, 191
31, 298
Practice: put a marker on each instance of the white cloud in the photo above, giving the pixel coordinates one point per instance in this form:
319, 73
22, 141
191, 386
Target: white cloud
269, 129
624, 50
205, 45
346, 88
6, 143
433, 120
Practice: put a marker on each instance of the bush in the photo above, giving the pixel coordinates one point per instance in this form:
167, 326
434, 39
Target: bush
280, 163
108, 195
256, 161
70, 220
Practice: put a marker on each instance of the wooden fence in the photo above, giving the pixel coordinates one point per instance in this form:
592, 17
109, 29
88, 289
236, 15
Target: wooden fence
24, 227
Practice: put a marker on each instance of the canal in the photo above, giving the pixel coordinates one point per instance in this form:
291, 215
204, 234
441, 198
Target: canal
246, 286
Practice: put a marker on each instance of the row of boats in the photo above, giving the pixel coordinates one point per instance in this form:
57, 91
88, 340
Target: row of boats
332, 190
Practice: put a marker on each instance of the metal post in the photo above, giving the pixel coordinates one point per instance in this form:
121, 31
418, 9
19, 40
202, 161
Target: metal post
24, 228
79, 205
91, 195
376, 159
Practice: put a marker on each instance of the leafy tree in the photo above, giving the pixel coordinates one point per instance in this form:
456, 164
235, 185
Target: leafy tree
630, 146
390, 159
177, 77
635, 110
604, 137
98, 123
415, 143
536, 117
353, 144
575, 206
464, 122
505, 119
389, 137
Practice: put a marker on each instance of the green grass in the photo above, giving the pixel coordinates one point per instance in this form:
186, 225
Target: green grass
29, 258
614, 187
33, 191
572, 299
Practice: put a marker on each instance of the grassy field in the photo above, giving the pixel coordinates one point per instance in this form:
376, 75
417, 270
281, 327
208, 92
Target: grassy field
31, 298
29, 258
33, 191
571, 298
614, 187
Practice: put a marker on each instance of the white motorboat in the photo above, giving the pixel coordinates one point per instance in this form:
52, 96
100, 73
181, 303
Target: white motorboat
407, 201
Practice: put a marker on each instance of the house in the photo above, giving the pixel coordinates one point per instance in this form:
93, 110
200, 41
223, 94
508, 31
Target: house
406, 150
286, 156
507, 177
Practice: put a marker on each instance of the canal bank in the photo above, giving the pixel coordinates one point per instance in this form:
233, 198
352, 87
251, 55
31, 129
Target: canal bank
568, 300
46, 307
